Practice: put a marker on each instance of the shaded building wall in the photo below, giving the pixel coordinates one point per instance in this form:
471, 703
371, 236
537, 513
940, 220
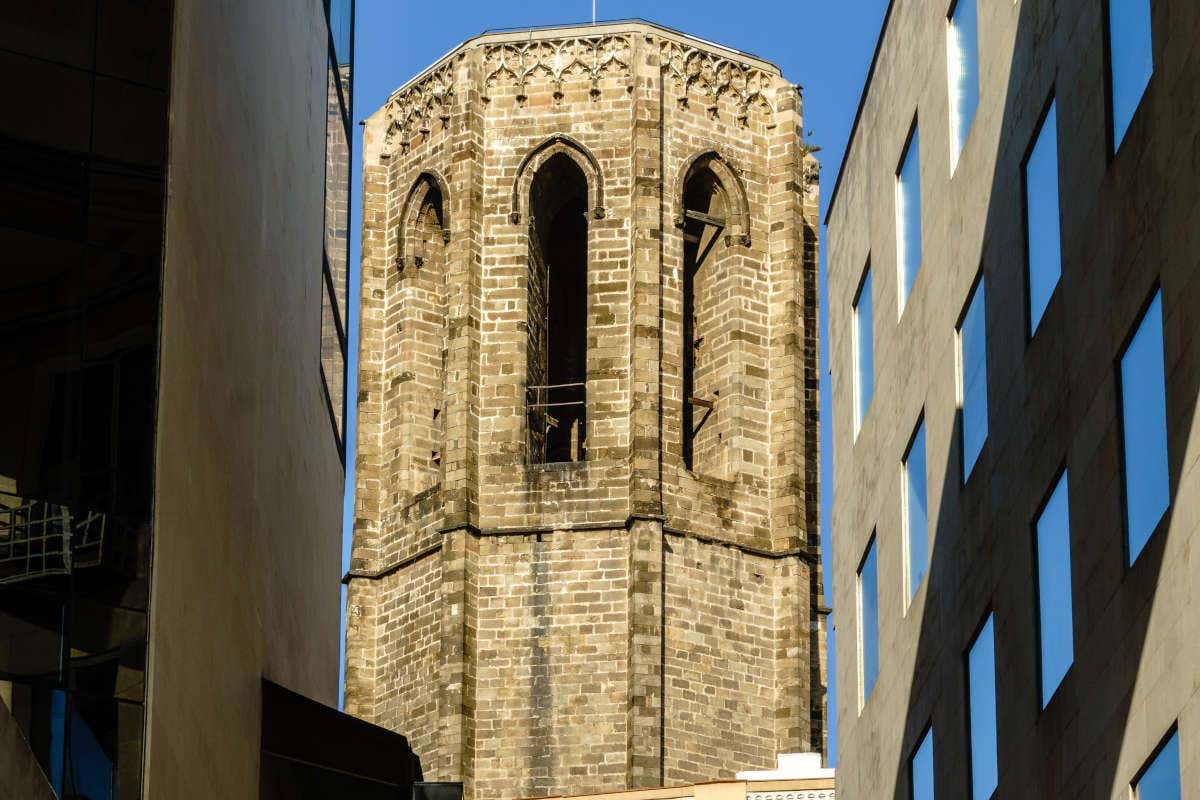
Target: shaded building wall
1126, 224
561, 584
248, 475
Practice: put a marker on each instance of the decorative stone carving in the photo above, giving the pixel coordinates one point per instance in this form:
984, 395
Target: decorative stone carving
801, 794
412, 111
714, 77
556, 60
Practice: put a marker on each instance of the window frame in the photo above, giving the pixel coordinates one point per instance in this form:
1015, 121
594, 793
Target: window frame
1061, 473
961, 377
860, 413
1038, 128
1122, 455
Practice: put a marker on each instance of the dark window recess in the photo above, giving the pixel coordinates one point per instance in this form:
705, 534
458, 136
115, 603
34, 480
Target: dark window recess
705, 207
557, 313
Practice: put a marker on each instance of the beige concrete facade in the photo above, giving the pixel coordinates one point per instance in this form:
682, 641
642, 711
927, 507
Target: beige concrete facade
248, 477
1129, 223
636, 614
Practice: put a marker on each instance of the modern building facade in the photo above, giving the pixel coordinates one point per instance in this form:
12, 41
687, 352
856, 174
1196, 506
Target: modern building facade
174, 180
586, 545
1014, 289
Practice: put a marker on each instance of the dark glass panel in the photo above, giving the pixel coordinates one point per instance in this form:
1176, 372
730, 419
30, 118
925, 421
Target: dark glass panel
59, 30
133, 39
130, 123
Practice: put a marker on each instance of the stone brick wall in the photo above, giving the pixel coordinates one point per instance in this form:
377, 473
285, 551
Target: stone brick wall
620, 620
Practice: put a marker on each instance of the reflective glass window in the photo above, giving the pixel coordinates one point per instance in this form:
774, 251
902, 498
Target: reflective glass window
864, 351
963, 56
1161, 779
1041, 217
1055, 624
916, 518
1131, 51
920, 769
972, 354
908, 217
1144, 424
981, 694
868, 620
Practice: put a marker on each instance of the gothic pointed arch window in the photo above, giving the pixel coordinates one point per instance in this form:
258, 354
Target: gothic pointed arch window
713, 219
421, 362
556, 368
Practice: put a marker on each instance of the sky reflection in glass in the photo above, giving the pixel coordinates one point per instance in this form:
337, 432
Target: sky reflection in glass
981, 687
963, 56
908, 217
1041, 218
1144, 423
916, 519
1056, 627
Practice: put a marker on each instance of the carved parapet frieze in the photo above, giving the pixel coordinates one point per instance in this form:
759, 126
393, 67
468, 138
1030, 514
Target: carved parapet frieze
411, 112
555, 61
715, 77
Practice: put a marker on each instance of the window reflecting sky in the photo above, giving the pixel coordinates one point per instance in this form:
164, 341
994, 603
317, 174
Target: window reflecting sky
908, 217
973, 344
916, 516
1144, 418
921, 769
1161, 780
981, 665
864, 350
868, 621
962, 51
1131, 47
1041, 222
1054, 590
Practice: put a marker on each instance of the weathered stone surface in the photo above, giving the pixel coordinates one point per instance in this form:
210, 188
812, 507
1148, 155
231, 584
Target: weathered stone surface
619, 620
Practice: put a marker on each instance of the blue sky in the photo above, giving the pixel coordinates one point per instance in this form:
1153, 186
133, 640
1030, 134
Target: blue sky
823, 46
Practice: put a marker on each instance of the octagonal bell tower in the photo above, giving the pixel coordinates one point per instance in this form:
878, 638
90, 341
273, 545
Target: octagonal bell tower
585, 541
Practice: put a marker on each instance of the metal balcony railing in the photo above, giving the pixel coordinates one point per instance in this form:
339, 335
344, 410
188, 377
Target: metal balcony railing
39, 539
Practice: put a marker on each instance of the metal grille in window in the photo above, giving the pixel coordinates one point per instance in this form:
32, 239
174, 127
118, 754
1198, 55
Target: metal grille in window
39, 539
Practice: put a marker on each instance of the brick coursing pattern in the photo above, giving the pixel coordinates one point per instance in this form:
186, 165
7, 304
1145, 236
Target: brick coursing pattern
619, 621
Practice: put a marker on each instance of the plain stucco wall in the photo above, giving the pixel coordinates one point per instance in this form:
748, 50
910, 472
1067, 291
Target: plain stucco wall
1129, 223
248, 479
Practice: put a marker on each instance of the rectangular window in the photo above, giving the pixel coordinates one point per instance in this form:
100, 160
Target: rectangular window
962, 48
908, 216
920, 769
916, 520
1052, 541
1144, 424
1131, 58
981, 707
1041, 217
864, 351
972, 375
1161, 780
868, 622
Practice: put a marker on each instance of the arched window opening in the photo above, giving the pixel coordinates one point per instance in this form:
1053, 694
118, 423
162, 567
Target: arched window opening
556, 378
423, 332
706, 207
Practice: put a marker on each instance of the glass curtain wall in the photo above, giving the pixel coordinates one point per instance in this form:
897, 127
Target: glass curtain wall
335, 275
81, 218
